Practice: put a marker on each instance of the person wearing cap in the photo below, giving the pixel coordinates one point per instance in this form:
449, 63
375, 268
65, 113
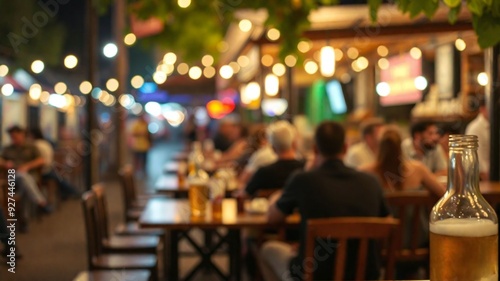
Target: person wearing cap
26, 160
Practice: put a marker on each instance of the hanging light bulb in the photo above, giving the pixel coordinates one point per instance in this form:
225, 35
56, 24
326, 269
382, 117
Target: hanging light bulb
327, 62
271, 85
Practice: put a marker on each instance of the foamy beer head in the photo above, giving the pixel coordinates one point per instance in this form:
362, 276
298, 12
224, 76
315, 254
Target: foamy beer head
464, 249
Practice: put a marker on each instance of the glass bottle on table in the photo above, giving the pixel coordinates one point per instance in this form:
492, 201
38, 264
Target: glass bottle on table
198, 192
463, 226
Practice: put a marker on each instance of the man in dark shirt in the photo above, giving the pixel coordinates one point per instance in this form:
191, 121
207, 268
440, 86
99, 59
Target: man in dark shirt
329, 190
281, 136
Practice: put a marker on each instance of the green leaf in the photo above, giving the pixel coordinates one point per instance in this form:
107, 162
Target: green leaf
475, 6
453, 14
495, 9
403, 5
452, 3
430, 7
374, 6
488, 2
487, 29
416, 7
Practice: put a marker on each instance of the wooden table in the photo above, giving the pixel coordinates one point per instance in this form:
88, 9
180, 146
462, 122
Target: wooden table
172, 167
169, 184
174, 216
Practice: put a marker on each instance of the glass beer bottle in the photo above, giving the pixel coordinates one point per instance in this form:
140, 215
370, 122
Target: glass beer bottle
198, 190
463, 226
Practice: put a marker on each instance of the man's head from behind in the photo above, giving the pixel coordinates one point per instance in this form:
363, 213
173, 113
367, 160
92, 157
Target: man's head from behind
281, 135
425, 135
330, 140
17, 135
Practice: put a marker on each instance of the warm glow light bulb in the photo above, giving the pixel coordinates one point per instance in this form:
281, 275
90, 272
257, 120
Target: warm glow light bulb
207, 60
195, 72
311, 67
271, 85
112, 84
279, 69
137, 81
327, 61
352, 53
85, 87
184, 3
245, 25
60, 88
4, 70
70, 61
110, 50
273, 34
482, 79
159, 77
415, 53
183, 68
226, 72
382, 51
37, 66
460, 44
130, 39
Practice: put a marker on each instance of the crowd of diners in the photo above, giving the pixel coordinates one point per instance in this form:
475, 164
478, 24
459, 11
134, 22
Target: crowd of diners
321, 176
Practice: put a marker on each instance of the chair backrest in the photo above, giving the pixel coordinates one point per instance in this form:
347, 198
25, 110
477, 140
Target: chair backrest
89, 205
412, 208
342, 229
126, 175
102, 210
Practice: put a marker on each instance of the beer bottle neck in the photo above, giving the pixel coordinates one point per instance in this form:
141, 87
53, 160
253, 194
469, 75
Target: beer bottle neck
463, 171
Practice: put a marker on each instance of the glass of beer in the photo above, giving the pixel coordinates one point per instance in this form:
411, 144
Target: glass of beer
217, 190
198, 197
464, 250
182, 174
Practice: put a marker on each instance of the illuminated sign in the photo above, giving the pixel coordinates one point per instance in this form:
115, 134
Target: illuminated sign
400, 77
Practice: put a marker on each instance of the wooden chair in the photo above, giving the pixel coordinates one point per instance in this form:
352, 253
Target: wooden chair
125, 243
133, 204
343, 229
412, 208
97, 259
107, 275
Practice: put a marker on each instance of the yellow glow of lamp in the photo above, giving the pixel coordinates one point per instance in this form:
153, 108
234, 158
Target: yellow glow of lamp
327, 63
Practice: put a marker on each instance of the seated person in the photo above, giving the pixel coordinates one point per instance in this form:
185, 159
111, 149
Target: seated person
26, 160
423, 145
281, 136
48, 173
398, 173
329, 190
262, 155
364, 152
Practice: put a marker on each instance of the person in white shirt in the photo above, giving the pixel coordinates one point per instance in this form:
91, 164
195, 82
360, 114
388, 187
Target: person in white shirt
424, 147
365, 151
263, 155
480, 127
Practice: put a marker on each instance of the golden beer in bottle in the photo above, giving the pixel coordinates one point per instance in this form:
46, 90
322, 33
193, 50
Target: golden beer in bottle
463, 226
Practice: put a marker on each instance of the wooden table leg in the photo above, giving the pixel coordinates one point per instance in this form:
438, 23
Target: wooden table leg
173, 273
235, 254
